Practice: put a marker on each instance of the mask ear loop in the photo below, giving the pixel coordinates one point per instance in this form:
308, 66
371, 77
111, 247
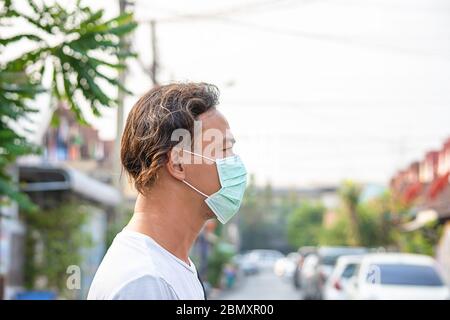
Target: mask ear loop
196, 154
190, 185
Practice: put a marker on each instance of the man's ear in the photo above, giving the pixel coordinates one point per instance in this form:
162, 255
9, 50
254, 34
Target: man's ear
175, 165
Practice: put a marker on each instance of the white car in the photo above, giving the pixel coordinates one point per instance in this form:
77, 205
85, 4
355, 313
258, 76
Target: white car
336, 287
265, 258
398, 276
285, 267
247, 264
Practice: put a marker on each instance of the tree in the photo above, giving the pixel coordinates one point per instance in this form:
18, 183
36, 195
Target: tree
423, 240
337, 234
54, 241
79, 49
375, 226
305, 223
261, 218
16, 90
350, 194
252, 218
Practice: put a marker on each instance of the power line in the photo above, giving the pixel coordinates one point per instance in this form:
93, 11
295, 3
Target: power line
223, 16
392, 6
331, 38
326, 104
247, 8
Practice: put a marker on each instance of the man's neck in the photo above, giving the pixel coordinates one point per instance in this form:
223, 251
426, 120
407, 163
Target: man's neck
170, 222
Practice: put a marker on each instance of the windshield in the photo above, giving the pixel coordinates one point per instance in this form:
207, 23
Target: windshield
349, 271
408, 274
329, 260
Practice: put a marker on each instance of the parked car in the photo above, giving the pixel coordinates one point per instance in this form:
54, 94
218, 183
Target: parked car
247, 264
402, 276
326, 260
284, 267
336, 287
303, 252
265, 259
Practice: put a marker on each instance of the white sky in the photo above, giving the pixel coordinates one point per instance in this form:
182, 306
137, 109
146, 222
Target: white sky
315, 91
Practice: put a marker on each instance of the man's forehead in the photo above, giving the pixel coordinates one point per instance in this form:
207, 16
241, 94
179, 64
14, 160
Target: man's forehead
213, 112
214, 123
213, 119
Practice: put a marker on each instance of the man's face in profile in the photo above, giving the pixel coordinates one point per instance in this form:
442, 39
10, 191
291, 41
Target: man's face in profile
215, 141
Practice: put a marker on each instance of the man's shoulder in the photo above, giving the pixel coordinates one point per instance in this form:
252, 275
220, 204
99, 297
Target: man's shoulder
126, 262
143, 287
128, 253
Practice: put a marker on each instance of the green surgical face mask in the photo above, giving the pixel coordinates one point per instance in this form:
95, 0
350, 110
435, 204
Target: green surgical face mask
225, 203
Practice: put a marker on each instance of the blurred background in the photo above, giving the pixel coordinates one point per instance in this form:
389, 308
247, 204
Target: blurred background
341, 112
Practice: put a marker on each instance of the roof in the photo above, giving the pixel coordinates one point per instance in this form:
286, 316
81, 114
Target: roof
422, 218
57, 177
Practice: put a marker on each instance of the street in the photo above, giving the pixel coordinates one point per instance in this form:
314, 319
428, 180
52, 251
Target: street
263, 286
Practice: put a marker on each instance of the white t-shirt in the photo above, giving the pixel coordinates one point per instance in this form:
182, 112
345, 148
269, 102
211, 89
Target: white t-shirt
137, 267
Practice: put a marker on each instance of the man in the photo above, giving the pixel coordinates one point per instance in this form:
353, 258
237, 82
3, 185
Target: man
178, 150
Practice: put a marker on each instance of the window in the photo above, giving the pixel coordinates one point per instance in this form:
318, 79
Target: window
349, 271
408, 274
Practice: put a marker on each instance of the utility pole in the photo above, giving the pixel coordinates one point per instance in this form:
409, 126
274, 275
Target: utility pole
152, 71
116, 213
125, 45
154, 66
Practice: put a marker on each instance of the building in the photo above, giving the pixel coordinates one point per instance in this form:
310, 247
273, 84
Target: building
425, 185
76, 165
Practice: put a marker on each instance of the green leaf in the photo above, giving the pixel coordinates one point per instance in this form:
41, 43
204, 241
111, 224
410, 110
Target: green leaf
75, 71
19, 37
